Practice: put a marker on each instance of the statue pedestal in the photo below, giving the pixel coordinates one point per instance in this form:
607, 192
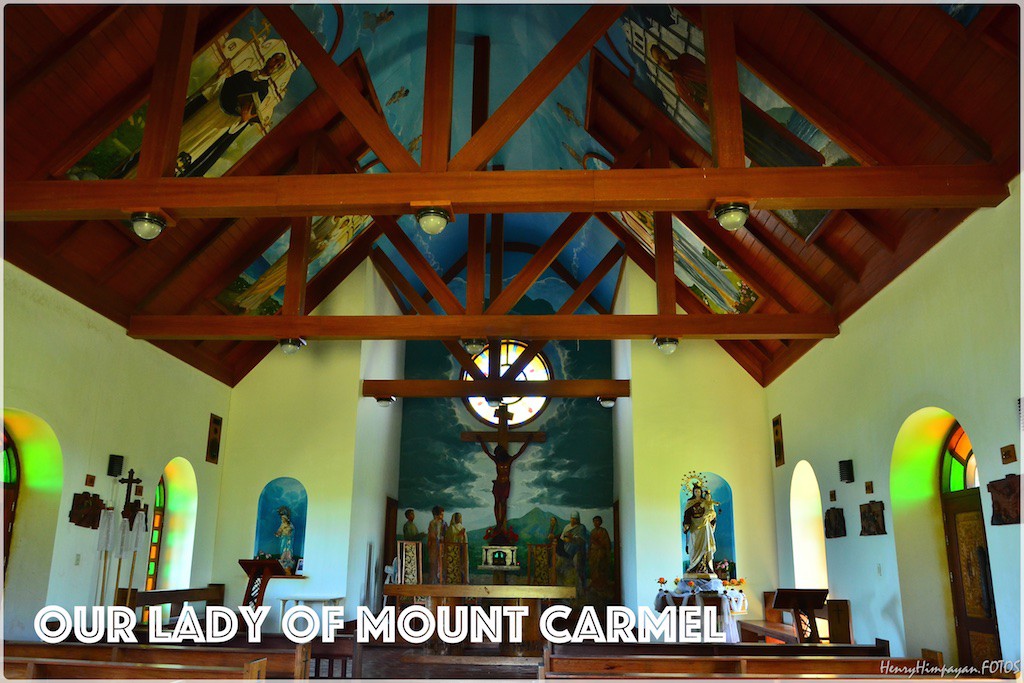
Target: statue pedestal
698, 575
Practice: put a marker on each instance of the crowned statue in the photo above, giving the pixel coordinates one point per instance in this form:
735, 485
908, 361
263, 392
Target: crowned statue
699, 520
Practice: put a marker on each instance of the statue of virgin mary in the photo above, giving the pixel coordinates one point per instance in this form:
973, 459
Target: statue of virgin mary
699, 525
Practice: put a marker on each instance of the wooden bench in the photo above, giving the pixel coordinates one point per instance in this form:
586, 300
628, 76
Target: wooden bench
280, 662
212, 594
627, 666
879, 649
30, 667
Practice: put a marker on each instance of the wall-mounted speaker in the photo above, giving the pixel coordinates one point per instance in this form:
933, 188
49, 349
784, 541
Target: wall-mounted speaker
114, 465
846, 471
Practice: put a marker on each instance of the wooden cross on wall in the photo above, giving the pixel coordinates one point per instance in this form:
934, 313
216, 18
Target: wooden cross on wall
131, 507
503, 459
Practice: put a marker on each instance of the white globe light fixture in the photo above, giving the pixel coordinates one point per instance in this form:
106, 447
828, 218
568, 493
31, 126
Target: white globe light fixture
732, 216
148, 225
667, 345
291, 345
606, 402
432, 220
474, 346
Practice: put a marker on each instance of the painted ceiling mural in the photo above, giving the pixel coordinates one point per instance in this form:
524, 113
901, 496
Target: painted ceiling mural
248, 71
696, 266
667, 52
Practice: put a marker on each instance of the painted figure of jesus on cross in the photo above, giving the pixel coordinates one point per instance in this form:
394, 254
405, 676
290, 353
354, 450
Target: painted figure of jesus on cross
503, 460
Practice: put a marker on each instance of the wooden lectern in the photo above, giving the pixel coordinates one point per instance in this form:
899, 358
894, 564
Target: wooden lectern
802, 602
259, 572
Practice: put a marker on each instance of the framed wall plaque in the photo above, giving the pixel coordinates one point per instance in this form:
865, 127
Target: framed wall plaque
213, 440
780, 453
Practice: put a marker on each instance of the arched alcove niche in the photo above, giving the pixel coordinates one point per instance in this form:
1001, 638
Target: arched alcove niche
281, 522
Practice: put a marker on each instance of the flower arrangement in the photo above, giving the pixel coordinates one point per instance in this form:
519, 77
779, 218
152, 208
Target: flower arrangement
735, 583
676, 582
691, 584
661, 583
723, 568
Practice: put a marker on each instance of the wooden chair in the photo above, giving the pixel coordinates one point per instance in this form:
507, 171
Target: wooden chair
454, 562
540, 562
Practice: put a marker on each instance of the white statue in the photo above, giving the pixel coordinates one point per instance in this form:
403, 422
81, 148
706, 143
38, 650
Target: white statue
699, 519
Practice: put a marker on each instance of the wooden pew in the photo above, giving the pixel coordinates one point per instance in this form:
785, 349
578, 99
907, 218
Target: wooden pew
619, 666
280, 662
212, 594
29, 667
879, 649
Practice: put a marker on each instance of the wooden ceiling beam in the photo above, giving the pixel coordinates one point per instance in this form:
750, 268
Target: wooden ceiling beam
438, 86
342, 90
560, 238
793, 263
396, 296
419, 264
536, 266
480, 108
445, 388
341, 266
860, 146
398, 282
535, 88
741, 351
297, 259
902, 84
762, 326
725, 121
575, 300
476, 263
58, 55
885, 238
664, 246
167, 94
675, 189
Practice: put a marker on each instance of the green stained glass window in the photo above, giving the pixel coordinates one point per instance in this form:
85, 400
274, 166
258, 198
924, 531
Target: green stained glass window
959, 467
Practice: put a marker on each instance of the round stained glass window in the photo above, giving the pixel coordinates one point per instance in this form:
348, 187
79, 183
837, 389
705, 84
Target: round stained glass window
521, 409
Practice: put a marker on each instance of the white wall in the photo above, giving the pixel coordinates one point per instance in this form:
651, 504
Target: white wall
378, 440
298, 416
101, 393
946, 333
624, 487
695, 410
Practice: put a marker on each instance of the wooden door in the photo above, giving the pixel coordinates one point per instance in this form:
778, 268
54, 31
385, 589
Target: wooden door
970, 577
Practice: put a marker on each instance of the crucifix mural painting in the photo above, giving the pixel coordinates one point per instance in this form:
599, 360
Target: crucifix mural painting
502, 459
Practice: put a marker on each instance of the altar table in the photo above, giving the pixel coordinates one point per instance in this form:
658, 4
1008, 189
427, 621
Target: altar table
726, 619
455, 594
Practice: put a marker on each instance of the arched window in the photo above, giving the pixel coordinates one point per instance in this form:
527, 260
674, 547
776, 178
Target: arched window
523, 409
12, 483
810, 569
156, 537
959, 466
